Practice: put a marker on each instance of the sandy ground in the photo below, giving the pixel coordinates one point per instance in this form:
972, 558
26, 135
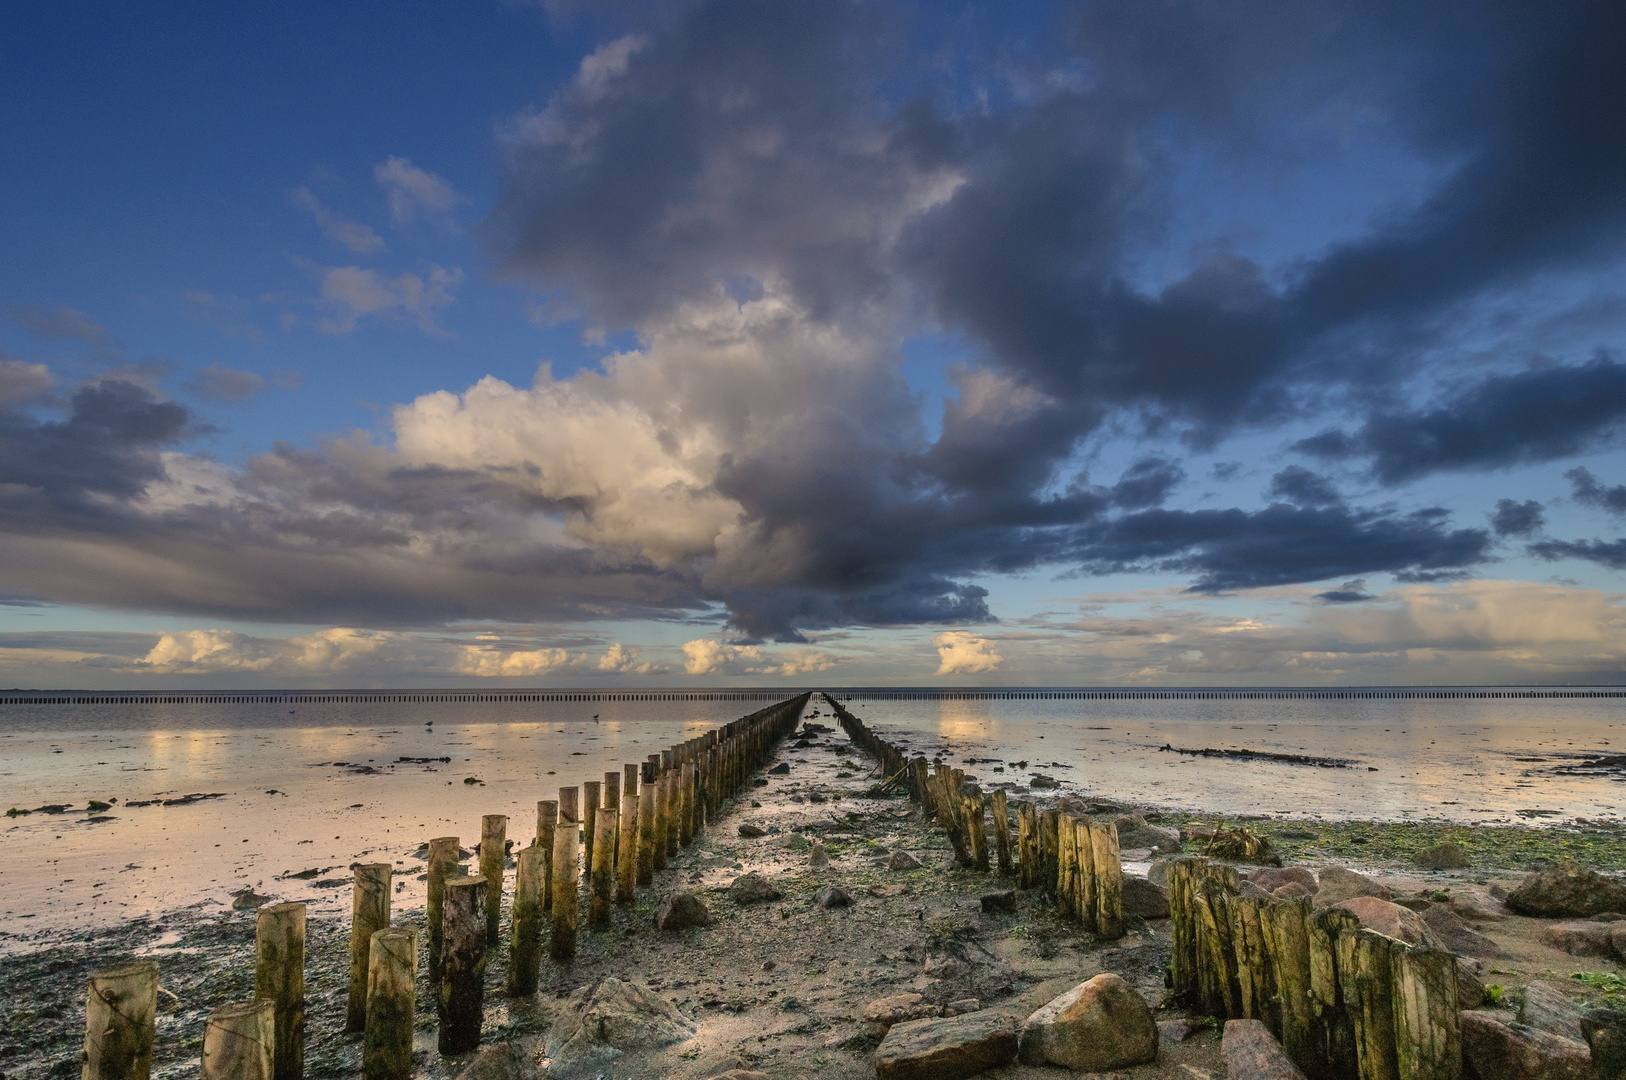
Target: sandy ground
776, 986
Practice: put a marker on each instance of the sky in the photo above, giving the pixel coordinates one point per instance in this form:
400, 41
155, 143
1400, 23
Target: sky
852, 343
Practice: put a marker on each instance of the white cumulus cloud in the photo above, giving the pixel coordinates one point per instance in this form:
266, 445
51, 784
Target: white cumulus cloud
963, 653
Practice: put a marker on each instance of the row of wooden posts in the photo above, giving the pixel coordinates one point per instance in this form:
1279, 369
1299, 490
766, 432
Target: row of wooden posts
629, 825
1072, 859
1347, 1003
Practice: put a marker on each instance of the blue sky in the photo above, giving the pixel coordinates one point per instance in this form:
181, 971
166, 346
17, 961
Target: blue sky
864, 343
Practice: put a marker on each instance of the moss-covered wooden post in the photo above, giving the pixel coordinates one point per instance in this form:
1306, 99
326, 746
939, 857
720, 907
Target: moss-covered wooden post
1048, 850
1109, 882
121, 1010
392, 1005
279, 977
674, 797
1087, 899
663, 817
525, 955
976, 834
1027, 844
1332, 1030
1365, 974
591, 795
443, 861
601, 882
626, 850
238, 1041
562, 941
1002, 831
493, 867
1428, 1036
646, 834
547, 822
1286, 926
1066, 866
460, 999
369, 913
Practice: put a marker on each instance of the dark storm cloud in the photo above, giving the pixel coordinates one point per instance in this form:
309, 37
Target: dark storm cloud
1514, 518
1504, 420
1609, 553
1300, 486
1588, 492
1146, 483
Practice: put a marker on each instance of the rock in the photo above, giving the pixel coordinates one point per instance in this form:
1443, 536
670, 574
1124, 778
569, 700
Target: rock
1042, 782
1271, 878
680, 911
832, 896
1470, 983
598, 1023
740, 1074
1568, 890
753, 888
1158, 873
999, 902
780, 769
1617, 940
752, 832
946, 1049
1134, 832
1477, 905
1455, 934
1097, 1025
1252, 1053
1546, 1009
817, 859
501, 1061
1171, 1033
1580, 937
897, 1009
1390, 920
1605, 1031
1446, 856
944, 967
1248, 888
902, 860
961, 1007
1337, 885
1142, 898
1291, 891
794, 842
1500, 1048
248, 900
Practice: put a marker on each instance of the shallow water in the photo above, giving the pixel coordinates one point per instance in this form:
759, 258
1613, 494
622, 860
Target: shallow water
287, 807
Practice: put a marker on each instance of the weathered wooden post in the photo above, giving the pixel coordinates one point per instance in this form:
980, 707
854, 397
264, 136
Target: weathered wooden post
392, 1004
646, 835
1048, 851
493, 867
673, 799
682, 807
562, 944
626, 850
1002, 831
602, 881
612, 791
525, 956
443, 860
1428, 1036
971, 800
590, 800
547, 822
568, 801
1066, 866
238, 1041
1109, 882
279, 977
1027, 844
369, 913
1365, 963
461, 999
663, 817
121, 1011
1286, 926
1084, 851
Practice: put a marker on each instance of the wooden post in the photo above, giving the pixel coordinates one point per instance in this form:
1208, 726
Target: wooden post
392, 1003
1027, 844
562, 945
1332, 1029
568, 805
1428, 1037
1002, 831
971, 800
121, 1011
1109, 882
279, 976
443, 853
612, 791
369, 913
461, 999
493, 867
590, 799
1087, 898
1048, 851
673, 803
1286, 925
238, 1041
685, 804
663, 817
646, 835
547, 823
525, 956
602, 881
1365, 964
626, 850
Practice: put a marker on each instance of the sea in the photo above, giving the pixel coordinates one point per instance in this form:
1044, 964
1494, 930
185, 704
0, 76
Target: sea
280, 791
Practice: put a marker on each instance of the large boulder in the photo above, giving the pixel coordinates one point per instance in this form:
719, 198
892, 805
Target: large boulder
1134, 832
1142, 898
1581, 937
1390, 920
1252, 1053
1546, 1009
1605, 1031
902, 860
1338, 884
502, 1061
1470, 983
753, 888
1567, 891
1271, 878
1476, 904
946, 1049
897, 1009
1455, 934
1500, 1048
680, 911
1096, 1026
599, 1023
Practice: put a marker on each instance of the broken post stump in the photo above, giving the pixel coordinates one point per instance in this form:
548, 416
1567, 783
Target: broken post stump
525, 955
1109, 882
279, 977
493, 865
392, 1004
443, 853
121, 1010
239, 1041
1002, 831
461, 992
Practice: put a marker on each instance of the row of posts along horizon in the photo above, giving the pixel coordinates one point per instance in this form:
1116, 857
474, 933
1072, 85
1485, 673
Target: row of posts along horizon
620, 830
